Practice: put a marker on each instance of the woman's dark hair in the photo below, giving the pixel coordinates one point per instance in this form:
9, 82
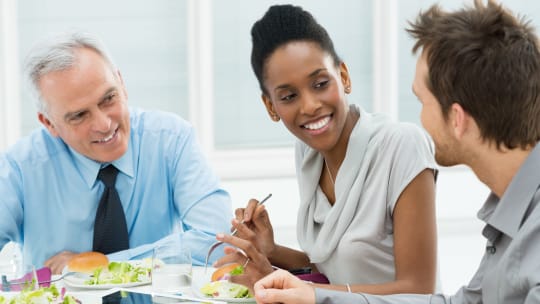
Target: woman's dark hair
280, 25
487, 60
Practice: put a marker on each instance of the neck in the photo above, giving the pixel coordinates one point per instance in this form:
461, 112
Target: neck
334, 157
496, 168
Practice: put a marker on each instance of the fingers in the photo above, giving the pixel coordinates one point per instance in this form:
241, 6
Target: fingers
285, 296
275, 280
239, 214
256, 265
282, 287
261, 219
59, 261
245, 245
242, 230
230, 257
246, 214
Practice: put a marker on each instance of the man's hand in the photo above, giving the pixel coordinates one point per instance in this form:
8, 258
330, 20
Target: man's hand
283, 287
59, 261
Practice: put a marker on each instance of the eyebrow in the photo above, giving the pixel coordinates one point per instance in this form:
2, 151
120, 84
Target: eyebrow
312, 74
108, 92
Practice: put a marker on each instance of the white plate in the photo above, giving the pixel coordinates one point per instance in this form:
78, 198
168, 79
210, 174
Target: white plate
78, 279
201, 278
83, 297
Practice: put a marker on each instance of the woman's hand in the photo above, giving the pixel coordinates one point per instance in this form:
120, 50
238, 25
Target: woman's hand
283, 287
256, 265
259, 228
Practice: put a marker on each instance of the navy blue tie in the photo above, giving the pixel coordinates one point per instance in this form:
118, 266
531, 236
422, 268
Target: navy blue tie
110, 228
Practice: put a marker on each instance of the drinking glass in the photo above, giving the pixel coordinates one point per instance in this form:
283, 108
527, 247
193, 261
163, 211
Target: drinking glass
18, 276
171, 268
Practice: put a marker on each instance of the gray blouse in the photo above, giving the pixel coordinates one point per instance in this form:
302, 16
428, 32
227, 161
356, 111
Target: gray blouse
353, 240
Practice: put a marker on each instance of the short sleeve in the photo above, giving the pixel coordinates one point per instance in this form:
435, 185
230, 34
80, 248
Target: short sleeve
410, 151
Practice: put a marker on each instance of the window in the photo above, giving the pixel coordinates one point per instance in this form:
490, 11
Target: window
147, 43
241, 120
191, 57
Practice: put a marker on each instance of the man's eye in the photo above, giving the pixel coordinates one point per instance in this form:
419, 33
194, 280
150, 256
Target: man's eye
110, 97
77, 117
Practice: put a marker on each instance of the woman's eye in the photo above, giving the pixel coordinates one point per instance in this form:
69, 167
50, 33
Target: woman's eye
321, 84
288, 97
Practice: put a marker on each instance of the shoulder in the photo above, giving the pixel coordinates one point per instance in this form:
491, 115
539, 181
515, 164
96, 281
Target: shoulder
160, 122
37, 147
400, 132
402, 137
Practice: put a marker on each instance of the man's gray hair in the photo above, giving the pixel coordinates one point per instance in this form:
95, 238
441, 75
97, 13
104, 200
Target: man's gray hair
58, 53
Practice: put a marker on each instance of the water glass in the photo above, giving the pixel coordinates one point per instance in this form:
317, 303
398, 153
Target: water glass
18, 276
171, 268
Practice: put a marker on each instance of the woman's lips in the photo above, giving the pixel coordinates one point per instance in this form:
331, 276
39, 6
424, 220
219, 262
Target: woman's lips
317, 125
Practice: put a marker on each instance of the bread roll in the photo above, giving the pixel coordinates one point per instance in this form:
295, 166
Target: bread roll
87, 262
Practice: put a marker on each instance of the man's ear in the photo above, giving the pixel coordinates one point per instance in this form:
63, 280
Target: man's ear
48, 124
270, 107
119, 75
459, 120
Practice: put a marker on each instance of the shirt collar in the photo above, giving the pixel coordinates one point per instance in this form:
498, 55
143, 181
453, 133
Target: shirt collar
507, 214
89, 168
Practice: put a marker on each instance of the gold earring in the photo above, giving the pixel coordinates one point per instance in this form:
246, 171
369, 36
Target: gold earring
347, 90
275, 117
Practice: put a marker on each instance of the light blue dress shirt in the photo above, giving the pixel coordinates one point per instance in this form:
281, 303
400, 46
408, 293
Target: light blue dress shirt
49, 193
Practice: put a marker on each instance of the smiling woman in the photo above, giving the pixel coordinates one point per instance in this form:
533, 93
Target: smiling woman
366, 218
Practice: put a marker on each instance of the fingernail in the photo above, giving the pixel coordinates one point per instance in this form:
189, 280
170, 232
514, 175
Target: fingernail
261, 294
220, 236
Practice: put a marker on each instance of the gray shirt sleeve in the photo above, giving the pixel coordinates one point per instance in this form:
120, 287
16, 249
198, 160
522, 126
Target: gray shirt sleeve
325, 296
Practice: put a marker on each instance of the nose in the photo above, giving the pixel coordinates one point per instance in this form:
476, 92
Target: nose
310, 104
101, 122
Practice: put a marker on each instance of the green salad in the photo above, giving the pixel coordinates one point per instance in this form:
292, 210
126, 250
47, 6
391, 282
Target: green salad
225, 289
121, 273
43, 295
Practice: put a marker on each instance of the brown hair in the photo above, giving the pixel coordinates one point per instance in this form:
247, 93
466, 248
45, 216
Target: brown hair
487, 60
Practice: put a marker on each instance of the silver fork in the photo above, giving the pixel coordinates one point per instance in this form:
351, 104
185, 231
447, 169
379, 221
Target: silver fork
65, 274
216, 244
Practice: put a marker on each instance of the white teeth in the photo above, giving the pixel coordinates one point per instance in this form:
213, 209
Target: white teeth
317, 125
108, 138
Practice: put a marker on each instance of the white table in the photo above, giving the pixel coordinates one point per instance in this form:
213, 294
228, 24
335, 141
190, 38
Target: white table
94, 296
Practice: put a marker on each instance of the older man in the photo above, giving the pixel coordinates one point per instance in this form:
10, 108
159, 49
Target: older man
101, 176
